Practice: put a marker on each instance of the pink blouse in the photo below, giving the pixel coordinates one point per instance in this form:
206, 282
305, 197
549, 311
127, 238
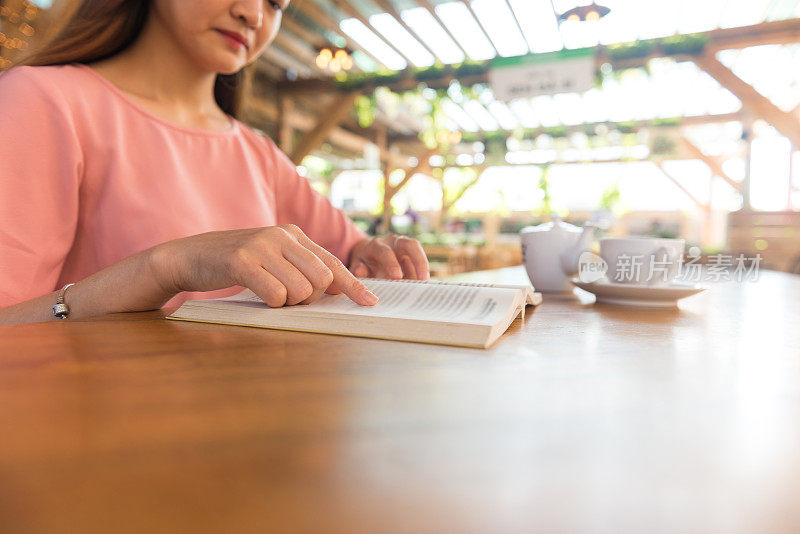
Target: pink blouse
89, 177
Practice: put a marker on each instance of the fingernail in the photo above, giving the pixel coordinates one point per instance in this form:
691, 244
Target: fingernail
397, 272
369, 297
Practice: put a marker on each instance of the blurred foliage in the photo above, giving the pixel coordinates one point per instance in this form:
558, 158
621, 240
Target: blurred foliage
546, 207
384, 76
663, 145
684, 44
318, 168
610, 198
636, 49
455, 180
365, 110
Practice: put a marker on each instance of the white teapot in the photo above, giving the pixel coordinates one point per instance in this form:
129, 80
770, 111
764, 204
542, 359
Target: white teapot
551, 252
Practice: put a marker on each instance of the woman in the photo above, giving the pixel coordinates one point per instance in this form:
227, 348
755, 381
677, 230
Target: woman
125, 171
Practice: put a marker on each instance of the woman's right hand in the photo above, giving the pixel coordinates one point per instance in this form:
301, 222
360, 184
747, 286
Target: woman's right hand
280, 264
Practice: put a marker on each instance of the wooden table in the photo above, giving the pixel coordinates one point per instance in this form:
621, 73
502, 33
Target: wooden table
582, 418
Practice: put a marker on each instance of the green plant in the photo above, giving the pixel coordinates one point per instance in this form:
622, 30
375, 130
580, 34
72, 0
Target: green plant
546, 208
471, 68
556, 131
690, 44
663, 145
435, 71
469, 137
610, 197
495, 142
354, 80
386, 76
365, 110
627, 127
670, 121
636, 49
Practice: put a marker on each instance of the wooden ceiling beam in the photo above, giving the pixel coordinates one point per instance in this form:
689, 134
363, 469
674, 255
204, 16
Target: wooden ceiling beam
259, 110
652, 123
776, 32
311, 37
701, 205
753, 101
276, 55
716, 168
325, 123
297, 48
422, 163
326, 85
404, 122
348, 135
773, 32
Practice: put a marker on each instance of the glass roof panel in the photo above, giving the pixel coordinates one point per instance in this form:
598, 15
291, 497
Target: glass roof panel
366, 38
539, 25
499, 22
398, 36
466, 30
433, 34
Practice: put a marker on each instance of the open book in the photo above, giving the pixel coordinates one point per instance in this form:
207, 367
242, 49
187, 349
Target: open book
448, 313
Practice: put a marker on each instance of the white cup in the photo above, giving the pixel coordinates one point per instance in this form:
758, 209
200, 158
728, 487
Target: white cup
642, 260
540, 255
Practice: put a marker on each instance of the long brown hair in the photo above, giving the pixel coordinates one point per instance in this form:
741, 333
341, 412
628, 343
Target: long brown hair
91, 30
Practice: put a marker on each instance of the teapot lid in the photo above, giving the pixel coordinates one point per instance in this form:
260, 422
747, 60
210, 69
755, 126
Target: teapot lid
556, 224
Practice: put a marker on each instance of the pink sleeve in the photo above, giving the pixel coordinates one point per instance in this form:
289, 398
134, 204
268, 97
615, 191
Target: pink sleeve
298, 203
40, 168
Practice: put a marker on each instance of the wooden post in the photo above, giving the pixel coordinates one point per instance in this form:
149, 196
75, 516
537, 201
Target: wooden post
386, 212
325, 124
747, 126
389, 191
789, 189
708, 216
285, 129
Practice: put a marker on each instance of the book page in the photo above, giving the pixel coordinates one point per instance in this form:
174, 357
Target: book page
471, 304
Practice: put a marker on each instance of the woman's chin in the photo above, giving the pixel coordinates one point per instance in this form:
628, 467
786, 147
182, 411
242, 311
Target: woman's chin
227, 71
225, 65
229, 68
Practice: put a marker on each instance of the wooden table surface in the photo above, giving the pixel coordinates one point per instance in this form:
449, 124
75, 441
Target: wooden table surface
582, 418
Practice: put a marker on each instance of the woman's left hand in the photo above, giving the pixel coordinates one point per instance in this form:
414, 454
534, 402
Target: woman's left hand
393, 256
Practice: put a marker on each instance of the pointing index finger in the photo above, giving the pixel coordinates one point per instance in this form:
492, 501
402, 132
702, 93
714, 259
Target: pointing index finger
343, 279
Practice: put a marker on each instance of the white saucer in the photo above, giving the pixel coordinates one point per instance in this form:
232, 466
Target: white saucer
663, 296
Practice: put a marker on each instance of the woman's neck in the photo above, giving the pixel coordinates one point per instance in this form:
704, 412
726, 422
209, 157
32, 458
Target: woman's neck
154, 70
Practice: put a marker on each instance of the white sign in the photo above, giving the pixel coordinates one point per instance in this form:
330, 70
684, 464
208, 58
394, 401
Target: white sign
567, 71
